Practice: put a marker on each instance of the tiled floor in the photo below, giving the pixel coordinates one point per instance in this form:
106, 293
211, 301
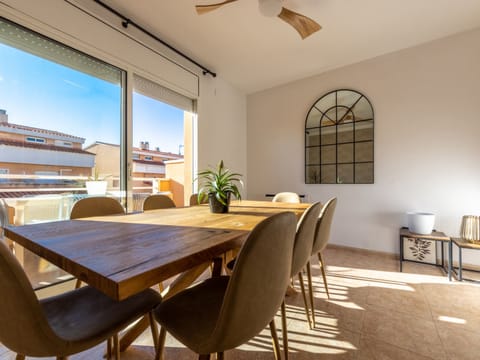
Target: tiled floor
374, 312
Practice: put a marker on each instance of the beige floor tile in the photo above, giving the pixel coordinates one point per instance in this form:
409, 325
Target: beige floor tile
407, 332
374, 349
459, 344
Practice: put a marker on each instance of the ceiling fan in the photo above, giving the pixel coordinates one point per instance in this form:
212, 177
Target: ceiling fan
303, 24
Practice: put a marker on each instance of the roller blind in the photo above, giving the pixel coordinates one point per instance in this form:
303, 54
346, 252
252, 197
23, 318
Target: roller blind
39, 45
151, 89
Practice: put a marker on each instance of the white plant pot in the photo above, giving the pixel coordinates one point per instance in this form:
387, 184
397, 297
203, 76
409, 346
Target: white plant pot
421, 222
96, 187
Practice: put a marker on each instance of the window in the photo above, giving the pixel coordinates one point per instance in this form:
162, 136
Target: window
148, 158
339, 139
35, 140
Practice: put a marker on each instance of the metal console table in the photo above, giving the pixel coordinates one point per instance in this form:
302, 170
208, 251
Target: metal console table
434, 236
464, 244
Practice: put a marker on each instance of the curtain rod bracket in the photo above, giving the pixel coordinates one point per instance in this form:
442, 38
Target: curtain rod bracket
126, 22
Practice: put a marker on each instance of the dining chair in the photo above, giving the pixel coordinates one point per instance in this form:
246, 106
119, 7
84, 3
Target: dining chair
224, 312
65, 324
288, 197
158, 201
301, 255
322, 235
194, 200
96, 206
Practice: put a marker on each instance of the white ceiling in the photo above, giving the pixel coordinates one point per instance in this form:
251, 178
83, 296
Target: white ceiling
254, 53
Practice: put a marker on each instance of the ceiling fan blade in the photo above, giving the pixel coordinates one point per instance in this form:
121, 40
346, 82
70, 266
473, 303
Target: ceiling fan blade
303, 24
202, 9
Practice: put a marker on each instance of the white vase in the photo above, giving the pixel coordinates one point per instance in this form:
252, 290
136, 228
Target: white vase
96, 187
421, 222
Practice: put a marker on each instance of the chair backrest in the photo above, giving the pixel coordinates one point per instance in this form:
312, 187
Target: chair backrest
302, 250
23, 327
158, 201
96, 206
324, 223
288, 197
258, 283
194, 200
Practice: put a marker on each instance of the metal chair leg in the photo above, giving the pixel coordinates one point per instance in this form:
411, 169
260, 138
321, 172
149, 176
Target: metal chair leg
20, 357
276, 345
310, 290
323, 266
204, 357
302, 286
284, 331
220, 356
153, 328
116, 347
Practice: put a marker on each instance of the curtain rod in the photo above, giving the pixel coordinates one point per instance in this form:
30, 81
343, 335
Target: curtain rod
126, 21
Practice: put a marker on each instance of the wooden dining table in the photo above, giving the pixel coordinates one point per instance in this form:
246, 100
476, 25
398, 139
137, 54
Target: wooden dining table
122, 255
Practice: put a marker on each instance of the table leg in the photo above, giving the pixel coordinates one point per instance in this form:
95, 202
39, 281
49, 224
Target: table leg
460, 277
450, 260
182, 281
443, 255
401, 253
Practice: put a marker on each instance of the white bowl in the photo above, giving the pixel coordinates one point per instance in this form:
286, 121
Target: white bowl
421, 222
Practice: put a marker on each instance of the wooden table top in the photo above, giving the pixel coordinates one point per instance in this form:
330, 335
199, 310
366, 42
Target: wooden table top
124, 254
464, 243
435, 235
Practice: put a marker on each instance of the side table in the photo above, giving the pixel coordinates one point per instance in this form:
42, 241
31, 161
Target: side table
436, 236
464, 244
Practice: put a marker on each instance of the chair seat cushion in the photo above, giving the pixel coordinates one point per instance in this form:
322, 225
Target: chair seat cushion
191, 315
86, 314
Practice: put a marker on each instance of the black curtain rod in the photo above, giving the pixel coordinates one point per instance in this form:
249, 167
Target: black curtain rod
126, 21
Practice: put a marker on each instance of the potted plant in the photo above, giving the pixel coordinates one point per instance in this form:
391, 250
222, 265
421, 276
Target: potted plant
95, 184
218, 184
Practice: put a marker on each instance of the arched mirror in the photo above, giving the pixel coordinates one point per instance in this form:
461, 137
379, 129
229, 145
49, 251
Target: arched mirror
339, 139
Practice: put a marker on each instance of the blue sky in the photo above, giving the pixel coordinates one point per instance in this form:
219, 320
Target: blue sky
40, 93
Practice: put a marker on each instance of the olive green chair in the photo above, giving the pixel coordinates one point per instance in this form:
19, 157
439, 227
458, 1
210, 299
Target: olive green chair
322, 235
96, 206
288, 197
301, 255
224, 312
65, 324
194, 200
158, 201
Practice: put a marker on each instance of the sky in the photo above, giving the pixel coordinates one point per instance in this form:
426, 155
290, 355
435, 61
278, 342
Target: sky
40, 93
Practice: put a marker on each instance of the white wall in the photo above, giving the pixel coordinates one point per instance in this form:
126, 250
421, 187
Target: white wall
221, 108
427, 140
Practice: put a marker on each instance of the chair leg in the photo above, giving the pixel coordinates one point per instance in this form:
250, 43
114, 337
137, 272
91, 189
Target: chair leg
310, 290
204, 357
160, 287
284, 330
323, 266
220, 356
20, 357
161, 344
153, 328
217, 266
109, 348
302, 286
62, 357
78, 283
276, 345
116, 347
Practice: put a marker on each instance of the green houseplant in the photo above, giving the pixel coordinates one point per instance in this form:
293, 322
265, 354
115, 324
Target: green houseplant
218, 184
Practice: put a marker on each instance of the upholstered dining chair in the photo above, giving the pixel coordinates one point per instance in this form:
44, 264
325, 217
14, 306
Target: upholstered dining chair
96, 206
224, 312
65, 324
302, 249
288, 197
322, 235
194, 200
158, 201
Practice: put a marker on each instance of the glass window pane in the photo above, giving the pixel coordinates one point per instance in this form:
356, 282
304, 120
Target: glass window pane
329, 135
363, 109
364, 130
328, 154
345, 174
313, 155
345, 153
364, 151
364, 173
313, 175
313, 118
312, 137
328, 174
345, 133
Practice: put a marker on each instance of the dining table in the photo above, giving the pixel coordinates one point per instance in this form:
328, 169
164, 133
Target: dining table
122, 255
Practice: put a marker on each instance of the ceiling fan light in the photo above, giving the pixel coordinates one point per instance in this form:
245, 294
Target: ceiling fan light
270, 8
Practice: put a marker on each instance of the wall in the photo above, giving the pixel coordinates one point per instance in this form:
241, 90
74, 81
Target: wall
427, 130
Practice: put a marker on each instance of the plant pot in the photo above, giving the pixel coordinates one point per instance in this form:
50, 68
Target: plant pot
96, 187
421, 222
216, 206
